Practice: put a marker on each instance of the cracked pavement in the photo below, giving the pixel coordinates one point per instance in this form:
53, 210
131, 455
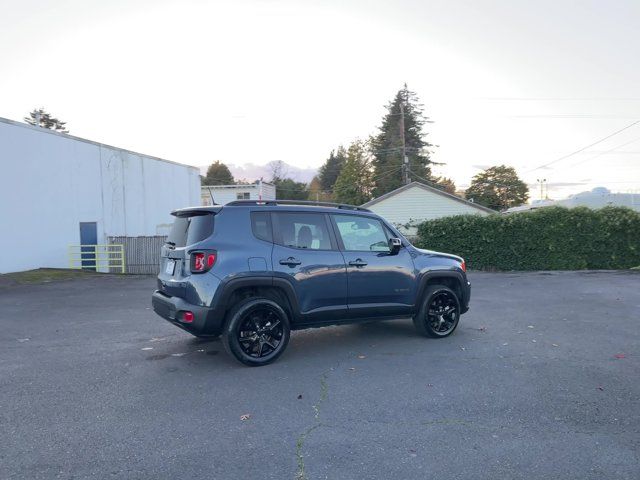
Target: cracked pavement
539, 382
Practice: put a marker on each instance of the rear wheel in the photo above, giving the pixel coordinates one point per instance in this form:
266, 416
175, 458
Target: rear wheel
440, 312
257, 331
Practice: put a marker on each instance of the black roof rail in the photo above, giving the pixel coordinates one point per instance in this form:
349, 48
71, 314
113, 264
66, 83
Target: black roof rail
309, 203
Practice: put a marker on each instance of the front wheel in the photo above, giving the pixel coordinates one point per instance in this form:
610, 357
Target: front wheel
256, 332
440, 312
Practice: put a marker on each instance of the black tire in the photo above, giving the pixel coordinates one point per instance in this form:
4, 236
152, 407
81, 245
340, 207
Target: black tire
439, 314
265, 326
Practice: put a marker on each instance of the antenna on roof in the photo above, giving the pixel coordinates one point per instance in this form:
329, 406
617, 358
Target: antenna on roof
213, 202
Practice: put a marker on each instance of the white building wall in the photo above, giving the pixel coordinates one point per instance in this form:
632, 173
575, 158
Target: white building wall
50, 182
416, 205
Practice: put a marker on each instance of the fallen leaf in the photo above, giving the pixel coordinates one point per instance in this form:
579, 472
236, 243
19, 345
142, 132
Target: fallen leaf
505, 344
529, 326
534, 341
620, 355
300, 397
600, 388
178, 354
362, 356
352, 368
147, 348
482, 329
22, 340
555, 344
246, 416
462, 348
429, 384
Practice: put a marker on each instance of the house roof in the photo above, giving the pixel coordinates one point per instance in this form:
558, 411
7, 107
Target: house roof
428, 189
66, 136
240, 186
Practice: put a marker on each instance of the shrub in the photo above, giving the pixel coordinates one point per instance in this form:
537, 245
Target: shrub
551, 238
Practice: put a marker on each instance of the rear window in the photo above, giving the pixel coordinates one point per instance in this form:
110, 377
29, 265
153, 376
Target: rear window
190, 230
261, 225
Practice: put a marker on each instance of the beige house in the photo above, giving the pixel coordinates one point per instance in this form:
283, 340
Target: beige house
414, 203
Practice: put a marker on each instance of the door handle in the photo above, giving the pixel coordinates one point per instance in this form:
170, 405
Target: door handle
291, 262
358, 263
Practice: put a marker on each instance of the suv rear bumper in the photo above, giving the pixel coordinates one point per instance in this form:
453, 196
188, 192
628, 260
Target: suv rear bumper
206, 321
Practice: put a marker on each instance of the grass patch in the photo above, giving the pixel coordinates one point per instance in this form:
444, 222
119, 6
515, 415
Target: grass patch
43, 275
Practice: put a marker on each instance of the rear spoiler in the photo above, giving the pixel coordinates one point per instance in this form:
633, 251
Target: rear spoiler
196, 211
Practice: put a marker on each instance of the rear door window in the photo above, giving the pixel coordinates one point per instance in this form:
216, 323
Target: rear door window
302, 230
190, 229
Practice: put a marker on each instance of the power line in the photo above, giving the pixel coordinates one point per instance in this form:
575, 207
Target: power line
585, 148
606, 151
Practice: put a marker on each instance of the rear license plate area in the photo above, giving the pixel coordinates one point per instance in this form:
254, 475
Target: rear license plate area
170, 267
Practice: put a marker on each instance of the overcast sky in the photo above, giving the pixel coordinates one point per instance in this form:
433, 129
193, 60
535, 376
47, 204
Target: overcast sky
514, 82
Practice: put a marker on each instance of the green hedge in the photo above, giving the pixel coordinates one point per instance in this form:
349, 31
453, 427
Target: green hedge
551, 238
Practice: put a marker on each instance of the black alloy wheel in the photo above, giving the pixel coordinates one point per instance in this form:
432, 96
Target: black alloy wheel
440, 312
260, 332
257, 331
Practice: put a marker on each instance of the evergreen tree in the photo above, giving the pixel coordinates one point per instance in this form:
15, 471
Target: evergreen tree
498, 187
45, 120
218, 174
316, 193
387, 145
289, 189
445, 184
329, 172
354, 185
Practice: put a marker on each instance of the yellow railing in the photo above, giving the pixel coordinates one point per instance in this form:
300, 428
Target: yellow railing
97, 257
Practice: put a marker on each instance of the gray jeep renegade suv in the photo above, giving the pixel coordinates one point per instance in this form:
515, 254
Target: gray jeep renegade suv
252, 271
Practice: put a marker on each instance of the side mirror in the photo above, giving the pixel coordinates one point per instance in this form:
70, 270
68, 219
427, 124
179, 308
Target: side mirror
394, 246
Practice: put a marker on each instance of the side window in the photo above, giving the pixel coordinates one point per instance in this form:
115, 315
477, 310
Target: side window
261, 225
362, 233
303, 230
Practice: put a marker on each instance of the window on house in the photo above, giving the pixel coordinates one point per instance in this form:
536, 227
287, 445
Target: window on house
243, 196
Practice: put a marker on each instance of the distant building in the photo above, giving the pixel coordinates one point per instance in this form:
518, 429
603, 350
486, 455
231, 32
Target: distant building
597, 198
414, 203
222, 194
59, 190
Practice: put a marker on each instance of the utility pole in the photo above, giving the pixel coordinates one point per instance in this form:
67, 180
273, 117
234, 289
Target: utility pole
405, 160
541, 181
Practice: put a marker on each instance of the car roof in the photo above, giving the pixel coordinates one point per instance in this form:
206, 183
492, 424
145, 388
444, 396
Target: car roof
298, 205
275, 205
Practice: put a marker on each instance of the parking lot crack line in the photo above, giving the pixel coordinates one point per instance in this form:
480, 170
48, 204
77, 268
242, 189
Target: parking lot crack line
300, 442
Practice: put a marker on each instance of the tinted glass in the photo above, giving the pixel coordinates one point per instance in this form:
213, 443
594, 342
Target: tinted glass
190, 230
261, 225
303, 230
362, 234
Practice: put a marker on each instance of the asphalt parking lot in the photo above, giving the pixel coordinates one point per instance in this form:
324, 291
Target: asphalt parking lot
541, 380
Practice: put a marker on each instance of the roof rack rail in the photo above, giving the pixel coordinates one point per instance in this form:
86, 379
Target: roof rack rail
309, 203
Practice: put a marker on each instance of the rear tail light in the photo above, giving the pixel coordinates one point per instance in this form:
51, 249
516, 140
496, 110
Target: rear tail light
202, 261
187, 317
463, 266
